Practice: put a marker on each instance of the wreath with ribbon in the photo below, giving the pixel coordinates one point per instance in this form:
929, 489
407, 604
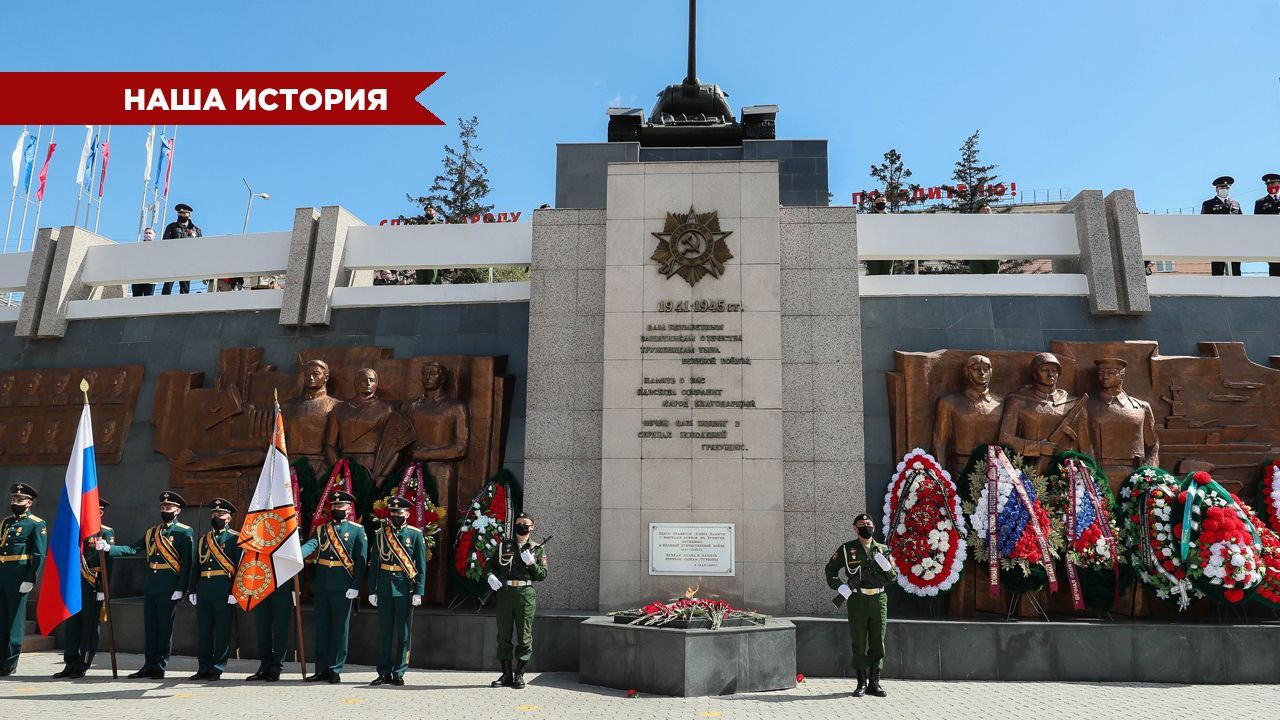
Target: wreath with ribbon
1268, 591
420, 489
924, 526
1080, 494
1010, 529
484, 527
1270, 494
1217, 541
1150, 512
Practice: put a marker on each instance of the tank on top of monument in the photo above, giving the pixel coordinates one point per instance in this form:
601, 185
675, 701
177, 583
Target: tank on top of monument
692, 113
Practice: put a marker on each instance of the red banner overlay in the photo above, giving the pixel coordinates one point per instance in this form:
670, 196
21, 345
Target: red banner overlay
215, 98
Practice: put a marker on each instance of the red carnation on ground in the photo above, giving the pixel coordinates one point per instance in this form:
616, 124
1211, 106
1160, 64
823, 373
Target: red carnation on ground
800, 678
632, 693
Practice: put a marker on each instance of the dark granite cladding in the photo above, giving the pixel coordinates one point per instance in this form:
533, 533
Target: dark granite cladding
582, 169
442, 640
192, 342
1055, 652
922, 324
687, 663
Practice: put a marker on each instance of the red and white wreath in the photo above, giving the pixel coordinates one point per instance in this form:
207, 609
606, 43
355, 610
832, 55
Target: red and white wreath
1270, 493
924, 525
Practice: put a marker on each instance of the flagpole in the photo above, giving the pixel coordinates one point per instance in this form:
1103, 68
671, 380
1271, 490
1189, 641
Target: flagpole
168, 171
13, 196
102, 182
93, 170
146, 178
35, 230
80, 175
297, 588
106, 580
26, 200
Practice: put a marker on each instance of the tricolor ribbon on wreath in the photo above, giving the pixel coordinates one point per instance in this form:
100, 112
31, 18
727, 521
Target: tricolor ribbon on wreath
997, 464
1080, 478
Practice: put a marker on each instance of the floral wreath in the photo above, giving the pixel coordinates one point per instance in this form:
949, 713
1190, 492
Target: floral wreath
1080, 494
1217, 541
1268, 591
924, 526
1148, 502
484, 527
1270, 494
1023, 536
417, 486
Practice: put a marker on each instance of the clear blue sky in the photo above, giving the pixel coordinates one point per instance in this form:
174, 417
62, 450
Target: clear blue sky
1156, 96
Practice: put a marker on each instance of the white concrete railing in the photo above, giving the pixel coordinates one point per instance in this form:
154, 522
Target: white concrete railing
204, 258
969, 237
1209, 238
13, 279
417, 247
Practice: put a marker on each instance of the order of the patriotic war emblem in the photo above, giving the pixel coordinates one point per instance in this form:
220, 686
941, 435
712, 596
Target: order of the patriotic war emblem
692, 245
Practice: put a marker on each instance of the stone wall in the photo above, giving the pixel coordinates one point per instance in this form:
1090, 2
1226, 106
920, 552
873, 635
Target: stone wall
192, 343
922, 324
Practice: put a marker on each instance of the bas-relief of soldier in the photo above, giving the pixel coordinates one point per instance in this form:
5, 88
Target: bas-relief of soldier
307, 415
1122, 428
967, 419
30, 396
1041, 420
7, 383
441, 429
367, 430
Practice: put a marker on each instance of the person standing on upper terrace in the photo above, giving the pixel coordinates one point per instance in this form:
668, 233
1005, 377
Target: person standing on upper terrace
183, 227
1222, 204
1269, 204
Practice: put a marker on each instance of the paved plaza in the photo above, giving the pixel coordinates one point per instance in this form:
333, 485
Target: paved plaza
466, 695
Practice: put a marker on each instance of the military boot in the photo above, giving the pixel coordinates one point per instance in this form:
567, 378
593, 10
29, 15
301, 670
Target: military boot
862, 683
873, 688
517, 682
505, 680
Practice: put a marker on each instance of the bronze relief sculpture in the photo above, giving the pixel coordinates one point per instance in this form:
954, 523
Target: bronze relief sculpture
39, 411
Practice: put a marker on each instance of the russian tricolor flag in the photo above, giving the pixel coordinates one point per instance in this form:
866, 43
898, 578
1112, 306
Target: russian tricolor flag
78, 518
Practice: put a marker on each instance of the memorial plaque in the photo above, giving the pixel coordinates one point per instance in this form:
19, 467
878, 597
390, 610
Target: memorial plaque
697, 549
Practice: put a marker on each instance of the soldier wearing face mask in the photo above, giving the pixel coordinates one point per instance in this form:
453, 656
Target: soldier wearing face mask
398, 580
80, 644
867, 570
522, 562
217, 554
23, 542
1269, 204
340, 547
880, 206
1222, 204
170, 553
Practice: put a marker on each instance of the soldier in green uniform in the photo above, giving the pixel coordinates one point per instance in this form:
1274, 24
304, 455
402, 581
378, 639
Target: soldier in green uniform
217, 555
170, 552
272, 618
518, 563
867, 570
23, 542
341, 551
82, 628
398, 578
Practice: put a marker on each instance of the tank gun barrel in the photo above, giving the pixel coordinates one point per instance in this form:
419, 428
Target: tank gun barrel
692, 77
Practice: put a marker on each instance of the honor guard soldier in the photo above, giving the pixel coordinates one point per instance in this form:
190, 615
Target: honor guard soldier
217, 555
1222, 204
1269, 204
518, 563
170, 552
340, 548
867, 570
81, 642
23, 541
398, 578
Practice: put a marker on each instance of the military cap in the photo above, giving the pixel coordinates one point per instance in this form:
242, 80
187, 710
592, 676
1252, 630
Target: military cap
24, 490
222, 505
1044, 357
181, 207
173, 498
398, 503
1111, 363
1270, 179
341, 496
103, 503
863, 516
1226, 180
523, 515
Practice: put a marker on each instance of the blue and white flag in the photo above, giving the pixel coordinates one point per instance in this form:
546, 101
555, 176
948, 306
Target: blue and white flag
18, 154
146, 167
85, 154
